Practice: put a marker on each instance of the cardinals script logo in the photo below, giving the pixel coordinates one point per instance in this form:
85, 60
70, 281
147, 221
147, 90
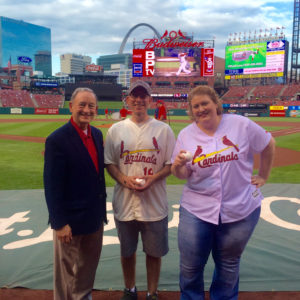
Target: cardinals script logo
207, 160
140, 155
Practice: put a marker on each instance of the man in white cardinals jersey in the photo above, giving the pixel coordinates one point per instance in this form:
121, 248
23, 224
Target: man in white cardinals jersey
184, 64
138, 156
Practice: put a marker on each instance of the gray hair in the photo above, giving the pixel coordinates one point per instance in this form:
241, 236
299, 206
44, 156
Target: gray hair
82, 89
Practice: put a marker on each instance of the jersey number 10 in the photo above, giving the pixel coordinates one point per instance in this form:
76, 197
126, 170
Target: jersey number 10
148, 171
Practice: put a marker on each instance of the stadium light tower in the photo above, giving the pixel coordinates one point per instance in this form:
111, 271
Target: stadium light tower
295, 64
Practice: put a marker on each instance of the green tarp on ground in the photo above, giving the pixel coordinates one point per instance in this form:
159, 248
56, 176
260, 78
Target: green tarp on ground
271, 261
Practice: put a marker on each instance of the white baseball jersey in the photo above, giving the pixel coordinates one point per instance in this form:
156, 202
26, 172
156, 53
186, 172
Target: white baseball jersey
183, 64
222, 165
139, 150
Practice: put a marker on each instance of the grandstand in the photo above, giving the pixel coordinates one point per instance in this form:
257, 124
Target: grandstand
290, 92
268, 94
174, 96
15, 98
48, 101
22, 98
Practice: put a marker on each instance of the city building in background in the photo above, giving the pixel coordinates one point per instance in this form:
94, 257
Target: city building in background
119, 65
64, 78
74, 63
21, 43
43, 63
108, 60
17, 78
123, 74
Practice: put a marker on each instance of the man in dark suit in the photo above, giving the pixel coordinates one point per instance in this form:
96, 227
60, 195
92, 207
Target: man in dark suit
76, 198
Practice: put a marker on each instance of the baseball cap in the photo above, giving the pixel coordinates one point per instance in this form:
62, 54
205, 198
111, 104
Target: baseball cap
142, 84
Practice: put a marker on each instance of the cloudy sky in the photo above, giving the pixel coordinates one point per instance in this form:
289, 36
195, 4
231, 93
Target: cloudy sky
97, 27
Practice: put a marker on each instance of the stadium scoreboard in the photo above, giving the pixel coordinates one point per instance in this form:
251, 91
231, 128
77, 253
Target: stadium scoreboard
261, 59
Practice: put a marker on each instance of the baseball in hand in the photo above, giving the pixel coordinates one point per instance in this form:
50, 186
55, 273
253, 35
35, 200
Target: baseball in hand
140, 181
188, 155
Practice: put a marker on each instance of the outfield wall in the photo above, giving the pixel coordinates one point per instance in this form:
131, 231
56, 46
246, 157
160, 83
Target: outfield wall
247, 112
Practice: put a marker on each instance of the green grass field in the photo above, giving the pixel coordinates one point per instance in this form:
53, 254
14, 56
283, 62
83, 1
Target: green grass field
21, 163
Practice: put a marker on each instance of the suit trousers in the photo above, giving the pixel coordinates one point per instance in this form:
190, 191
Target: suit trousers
75, 265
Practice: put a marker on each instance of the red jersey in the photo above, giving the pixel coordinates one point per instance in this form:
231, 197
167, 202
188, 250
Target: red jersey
162, 113
123, 113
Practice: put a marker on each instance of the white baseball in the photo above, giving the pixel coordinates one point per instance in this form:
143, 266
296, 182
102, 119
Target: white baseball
140, 181
188, 155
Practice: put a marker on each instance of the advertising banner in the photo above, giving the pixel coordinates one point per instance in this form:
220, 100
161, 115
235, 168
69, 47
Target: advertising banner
45, 84
246, 56
294, 107
259, 75
24, 59
207, 62
276, 107
143, 62
46, 111
265, 59
277, 113
16, 110
251, 114
295, 113
93, 68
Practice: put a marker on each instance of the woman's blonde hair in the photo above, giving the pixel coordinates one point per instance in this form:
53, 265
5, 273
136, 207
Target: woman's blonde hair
204, 90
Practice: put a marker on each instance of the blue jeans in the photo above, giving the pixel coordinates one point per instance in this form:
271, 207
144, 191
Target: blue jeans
196, 239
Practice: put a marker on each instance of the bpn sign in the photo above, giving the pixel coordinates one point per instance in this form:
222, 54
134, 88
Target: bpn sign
24, 59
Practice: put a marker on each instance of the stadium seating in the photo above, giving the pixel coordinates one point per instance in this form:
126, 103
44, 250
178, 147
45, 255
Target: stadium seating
15, 98
268, 94
290, 91
289, 103
238, 91
21, 98
48, 101
267, 91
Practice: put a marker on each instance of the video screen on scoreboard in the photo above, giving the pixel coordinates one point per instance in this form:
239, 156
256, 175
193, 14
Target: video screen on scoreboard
177, 62
256, 58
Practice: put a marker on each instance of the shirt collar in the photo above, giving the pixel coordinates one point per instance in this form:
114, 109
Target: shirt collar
80, 131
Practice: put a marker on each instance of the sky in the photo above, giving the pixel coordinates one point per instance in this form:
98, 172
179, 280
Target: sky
98, 27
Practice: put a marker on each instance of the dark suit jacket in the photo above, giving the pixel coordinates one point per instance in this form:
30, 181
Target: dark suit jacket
75, 193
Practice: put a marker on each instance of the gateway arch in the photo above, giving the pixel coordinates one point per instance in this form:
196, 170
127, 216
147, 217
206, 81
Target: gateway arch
133, 28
